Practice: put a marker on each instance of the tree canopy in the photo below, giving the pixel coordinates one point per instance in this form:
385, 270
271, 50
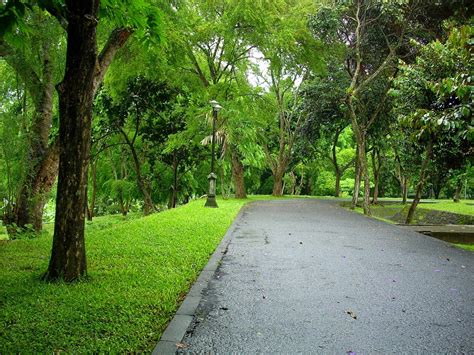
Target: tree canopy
105, 106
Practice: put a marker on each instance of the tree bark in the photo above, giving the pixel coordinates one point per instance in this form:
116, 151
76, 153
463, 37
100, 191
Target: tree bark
421, 182
84, 71
238, 175
42, 157
76, 94
355, 193
174, 189
337, 170
404, 190
376, 166
278, 181
360, 135
94, 190
457, 192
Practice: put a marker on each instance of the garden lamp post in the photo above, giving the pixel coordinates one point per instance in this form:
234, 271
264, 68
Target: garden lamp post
211, 196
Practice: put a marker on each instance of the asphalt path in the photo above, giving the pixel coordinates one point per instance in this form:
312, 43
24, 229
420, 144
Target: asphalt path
308, 276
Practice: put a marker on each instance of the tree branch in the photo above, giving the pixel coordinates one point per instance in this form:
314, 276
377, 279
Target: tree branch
116, 40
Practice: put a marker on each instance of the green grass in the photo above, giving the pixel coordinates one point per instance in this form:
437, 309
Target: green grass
465, 207
388, 209
139, 269
465, 246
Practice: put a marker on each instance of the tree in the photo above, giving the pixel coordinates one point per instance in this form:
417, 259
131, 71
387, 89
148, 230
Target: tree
286, 60
216, 40
85, 70
38, 77
371, 32
327, 118
440, 103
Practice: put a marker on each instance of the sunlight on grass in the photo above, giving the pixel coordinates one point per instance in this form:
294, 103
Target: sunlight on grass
463, 207
139, 271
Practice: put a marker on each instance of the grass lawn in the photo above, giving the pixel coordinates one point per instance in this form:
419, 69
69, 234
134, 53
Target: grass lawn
390, 211
139, 271
465, 246
463, 207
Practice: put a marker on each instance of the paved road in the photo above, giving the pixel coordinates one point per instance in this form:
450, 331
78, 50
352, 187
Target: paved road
308, 276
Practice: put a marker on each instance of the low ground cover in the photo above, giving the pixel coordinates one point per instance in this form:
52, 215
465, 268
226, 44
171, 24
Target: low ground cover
427, 212
139, 270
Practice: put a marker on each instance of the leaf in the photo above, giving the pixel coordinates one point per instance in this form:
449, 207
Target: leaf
181, 345
352, 314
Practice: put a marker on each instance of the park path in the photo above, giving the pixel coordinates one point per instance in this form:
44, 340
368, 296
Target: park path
308, 276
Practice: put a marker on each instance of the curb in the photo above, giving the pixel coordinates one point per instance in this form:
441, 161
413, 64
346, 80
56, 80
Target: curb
176, 329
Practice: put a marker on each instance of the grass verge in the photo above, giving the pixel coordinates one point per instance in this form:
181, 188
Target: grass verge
428, 212
139, 271
469, 247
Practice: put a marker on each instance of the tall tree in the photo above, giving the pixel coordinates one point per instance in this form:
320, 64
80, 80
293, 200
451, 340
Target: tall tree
286, 59
435, 102
216, 39
38, 75
327, 118
84, 71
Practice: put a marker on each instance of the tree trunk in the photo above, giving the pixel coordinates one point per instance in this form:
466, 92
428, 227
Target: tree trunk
355, 193
376, 166
223, 187
360, 135
337, 191
404, 189
30, 198
42, 158
419, 186
238, 175
365, 174
457, 193
278, 182
337, 170
148, 206
76, 94
299, 188
174, 190
123, 207
94, 189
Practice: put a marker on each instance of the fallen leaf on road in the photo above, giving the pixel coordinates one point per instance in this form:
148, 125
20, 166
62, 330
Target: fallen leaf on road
181, 345
352, 314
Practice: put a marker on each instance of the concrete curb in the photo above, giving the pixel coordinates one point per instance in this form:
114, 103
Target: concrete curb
176, 329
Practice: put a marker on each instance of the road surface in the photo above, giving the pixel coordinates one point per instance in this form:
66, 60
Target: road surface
308, 276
